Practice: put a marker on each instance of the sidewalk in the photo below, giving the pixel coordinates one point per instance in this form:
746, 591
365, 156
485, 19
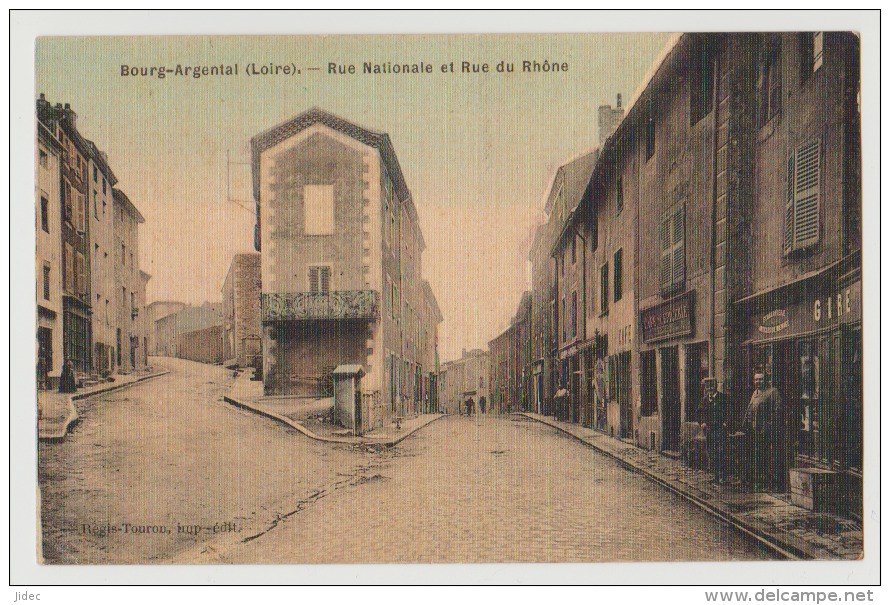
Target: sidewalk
56, 412
308, 415
792, 531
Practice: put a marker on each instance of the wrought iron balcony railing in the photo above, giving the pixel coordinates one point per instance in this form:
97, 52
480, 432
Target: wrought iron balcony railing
344, 304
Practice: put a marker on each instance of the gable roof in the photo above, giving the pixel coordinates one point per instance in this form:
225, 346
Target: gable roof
315, 115
121, 198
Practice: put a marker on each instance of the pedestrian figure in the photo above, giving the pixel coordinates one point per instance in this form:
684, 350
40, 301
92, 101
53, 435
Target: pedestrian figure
765, 437
715, 428
67, 382
470, 404
482, 403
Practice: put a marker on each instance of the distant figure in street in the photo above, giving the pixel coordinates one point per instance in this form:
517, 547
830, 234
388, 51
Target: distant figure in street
470, 405
715, 428
765, 437
482, 403
67, 382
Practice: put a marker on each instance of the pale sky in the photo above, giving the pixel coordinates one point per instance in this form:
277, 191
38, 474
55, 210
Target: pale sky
477, 150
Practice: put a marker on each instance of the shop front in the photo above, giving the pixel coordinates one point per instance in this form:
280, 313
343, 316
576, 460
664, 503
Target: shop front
806, 338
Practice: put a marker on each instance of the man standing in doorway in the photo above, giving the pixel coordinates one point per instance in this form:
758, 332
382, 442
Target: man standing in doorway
765, 436
482, 403
715, 428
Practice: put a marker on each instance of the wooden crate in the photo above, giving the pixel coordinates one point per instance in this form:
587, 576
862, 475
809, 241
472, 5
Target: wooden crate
814, 489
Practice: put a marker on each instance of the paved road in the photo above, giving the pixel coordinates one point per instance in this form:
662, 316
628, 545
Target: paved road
168, 456
494, 490
168, 453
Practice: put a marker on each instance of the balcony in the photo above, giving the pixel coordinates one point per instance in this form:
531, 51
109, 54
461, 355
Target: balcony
303, 306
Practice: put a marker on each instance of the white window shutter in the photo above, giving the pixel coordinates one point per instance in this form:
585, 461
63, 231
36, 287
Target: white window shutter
806, 196
788, 232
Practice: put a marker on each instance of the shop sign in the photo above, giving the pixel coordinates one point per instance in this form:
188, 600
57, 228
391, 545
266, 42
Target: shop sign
817, 311
670, 319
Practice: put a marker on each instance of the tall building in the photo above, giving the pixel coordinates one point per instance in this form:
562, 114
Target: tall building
74, 238
100, 209
129, 284
719, 236
341, 263
48, 269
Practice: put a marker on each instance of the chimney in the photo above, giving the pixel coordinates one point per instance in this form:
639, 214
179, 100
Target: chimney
618, 103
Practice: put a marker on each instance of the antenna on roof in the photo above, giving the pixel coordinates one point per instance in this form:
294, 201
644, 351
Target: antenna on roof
238, 202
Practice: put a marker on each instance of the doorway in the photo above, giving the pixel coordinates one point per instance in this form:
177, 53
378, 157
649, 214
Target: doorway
670, 402
623, 394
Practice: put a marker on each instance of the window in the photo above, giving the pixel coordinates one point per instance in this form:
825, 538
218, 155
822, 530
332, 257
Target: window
43, 159
701, 84
123, 255
574, 251
320, 280
44, 214
68, 265
574, 314
46, 273
564, 338
618, 276
318, 208
132, 300
769, 83
802, 225
80, 274
104, 191
604, 289
648, 384
650, 136
95, 206
95, 175
672, 236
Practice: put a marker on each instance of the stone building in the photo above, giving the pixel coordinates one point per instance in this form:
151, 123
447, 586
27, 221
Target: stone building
74, 238
241, 310
160, 340
130, 340
48, 260
463, 378
100, 208
511, 384
723, 224
341, 263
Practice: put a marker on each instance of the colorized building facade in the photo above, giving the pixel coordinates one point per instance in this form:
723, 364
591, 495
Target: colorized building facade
719, 235
48, 265
341, 263
130, 340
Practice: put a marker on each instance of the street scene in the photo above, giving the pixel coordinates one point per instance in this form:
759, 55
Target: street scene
534, 308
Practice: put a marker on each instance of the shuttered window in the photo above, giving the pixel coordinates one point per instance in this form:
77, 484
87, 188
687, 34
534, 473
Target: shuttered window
672, 237
320, 280
68, 263
802, 226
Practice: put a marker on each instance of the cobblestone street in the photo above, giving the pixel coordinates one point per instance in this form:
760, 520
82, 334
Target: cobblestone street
492, 490
168, 453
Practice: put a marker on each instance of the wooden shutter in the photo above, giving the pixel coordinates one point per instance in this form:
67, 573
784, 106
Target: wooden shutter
325, 279
806, 195
678, 247
313, 279
664, 239
788, 233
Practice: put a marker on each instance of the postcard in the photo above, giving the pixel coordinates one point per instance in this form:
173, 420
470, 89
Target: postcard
450, 298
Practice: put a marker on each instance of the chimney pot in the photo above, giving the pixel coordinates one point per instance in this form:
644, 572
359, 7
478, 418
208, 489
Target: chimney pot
619, 100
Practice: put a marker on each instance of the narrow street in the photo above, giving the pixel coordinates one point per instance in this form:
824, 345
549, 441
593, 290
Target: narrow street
158, 460
169, 453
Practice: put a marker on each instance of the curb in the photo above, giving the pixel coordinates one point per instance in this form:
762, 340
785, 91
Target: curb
789, 551
73, 418
302, 429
